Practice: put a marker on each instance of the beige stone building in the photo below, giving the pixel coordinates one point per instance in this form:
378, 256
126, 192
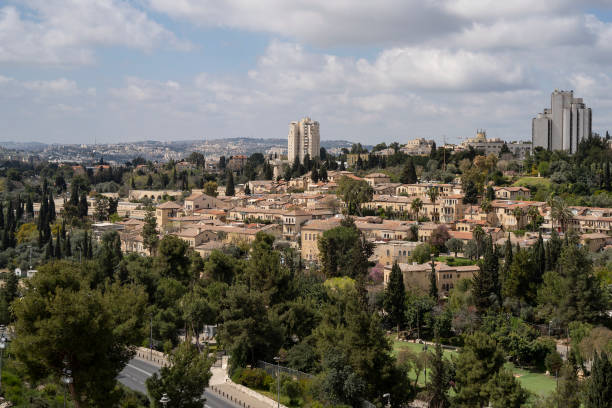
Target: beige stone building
388, 252
417, 276
375, 179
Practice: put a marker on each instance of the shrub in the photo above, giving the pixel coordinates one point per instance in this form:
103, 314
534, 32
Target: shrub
253, 378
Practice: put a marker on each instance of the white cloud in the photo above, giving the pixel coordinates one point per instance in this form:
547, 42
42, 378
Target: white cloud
66, 31
55, 86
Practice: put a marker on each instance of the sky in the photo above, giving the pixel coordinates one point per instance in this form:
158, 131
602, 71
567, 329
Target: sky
108, 71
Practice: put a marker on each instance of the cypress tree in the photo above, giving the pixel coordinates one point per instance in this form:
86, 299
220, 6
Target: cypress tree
433, 283
395, 297
540, 256
247, 189
58, 248
408, 173
49, 250
607, 185
486, 288
1, 215
323, 173
229, 188
10, 217
6, 241
19, 209
67, 247
598, 393
439, 383
83, 205
51, 210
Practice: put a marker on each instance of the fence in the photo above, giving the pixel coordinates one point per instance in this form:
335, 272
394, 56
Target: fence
272, 370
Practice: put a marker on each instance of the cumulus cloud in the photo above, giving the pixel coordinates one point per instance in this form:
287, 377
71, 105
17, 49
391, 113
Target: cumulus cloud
66, 31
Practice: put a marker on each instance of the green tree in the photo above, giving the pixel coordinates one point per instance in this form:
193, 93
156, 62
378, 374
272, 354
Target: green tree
486, 288
433, 281
409, 175
477, 364
598, 392
439, 382
210, 188
506, 392
454, 245
220, 267
573, 293
422, 253
335, 247
354, 193
184, 380
249, 331
395, 297
60, 318
416, 206
229, 185
150, 236
433, 193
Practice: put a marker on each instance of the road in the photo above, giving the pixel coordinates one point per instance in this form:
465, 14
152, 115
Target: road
137, 371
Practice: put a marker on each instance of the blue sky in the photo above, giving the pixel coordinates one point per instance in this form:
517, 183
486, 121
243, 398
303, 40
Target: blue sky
72, 71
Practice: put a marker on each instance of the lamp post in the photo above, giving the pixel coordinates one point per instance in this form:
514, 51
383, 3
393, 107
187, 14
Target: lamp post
164, 399
2, 347
387, 396
151, 338
426, 358
66, 379
277, 359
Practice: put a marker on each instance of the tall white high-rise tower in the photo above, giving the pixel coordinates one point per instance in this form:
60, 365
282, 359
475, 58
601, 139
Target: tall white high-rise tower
303, 139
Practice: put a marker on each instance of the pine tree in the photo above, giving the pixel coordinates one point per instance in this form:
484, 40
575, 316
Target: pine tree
433, 282
395, 297
598, 393
229, 187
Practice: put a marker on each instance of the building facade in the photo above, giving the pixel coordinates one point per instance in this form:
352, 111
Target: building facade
564, 125
303, 139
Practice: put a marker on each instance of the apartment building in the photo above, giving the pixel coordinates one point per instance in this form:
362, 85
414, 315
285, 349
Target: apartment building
303, 139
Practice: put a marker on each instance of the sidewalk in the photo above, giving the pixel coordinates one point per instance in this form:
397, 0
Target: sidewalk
223, 386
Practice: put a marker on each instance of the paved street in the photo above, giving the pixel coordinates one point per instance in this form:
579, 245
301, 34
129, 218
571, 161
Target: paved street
137, 371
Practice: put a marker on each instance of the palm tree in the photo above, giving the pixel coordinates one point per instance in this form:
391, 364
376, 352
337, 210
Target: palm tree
533, 213
560, 212
518, 214
478, 235
433, 195
416, 206
487, 207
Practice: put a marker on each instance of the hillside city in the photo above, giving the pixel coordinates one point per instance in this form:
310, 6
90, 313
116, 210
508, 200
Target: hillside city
309, 273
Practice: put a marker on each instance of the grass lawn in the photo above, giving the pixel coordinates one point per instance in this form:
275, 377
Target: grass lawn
535, 382
455, 261
539, 182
